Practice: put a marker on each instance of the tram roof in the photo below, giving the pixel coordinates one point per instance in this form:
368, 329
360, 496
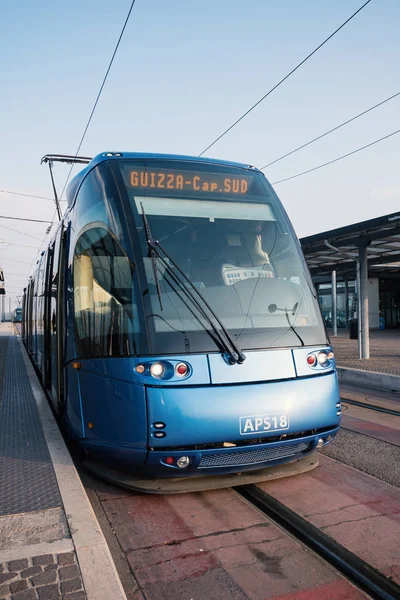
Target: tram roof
105, 156
381, 236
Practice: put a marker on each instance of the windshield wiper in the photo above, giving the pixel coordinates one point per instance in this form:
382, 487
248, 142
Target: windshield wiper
152, 255
235, 355
273, 308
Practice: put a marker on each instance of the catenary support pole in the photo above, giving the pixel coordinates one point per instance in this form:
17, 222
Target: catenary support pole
334, 304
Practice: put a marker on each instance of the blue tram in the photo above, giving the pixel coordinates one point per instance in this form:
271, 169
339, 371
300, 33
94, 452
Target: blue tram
174, 323
17, 315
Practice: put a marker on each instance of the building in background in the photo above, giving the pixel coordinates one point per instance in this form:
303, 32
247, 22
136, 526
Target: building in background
332, 257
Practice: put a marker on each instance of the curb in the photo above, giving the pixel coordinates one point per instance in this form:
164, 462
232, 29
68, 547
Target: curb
99, 575
371, 379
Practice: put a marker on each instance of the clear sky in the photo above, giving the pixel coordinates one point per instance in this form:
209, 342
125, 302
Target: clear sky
184, 72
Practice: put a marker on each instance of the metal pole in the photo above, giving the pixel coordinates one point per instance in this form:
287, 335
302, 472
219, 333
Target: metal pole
346, 302
359, 311
2, 309
363, 254
55, 191
334, 304
357, 261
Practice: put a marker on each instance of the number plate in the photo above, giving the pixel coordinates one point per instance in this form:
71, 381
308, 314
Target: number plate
263, 423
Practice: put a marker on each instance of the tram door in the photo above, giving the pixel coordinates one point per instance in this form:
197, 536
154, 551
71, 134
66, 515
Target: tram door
47, 319
29, 318
53, 379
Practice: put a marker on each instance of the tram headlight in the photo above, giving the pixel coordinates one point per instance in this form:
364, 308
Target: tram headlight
157, 369
183, 462
323, 359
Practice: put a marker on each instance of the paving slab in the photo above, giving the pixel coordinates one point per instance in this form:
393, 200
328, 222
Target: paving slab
214, 545
384, 351
43, 577
355, 509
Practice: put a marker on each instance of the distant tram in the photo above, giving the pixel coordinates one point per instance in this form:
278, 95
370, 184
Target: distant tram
17, 315
175, 326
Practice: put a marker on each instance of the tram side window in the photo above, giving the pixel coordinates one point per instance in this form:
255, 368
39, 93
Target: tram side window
105, 313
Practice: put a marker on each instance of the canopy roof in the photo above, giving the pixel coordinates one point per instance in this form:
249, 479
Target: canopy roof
380, 235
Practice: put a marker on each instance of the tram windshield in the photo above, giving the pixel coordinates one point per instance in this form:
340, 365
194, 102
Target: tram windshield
226, 230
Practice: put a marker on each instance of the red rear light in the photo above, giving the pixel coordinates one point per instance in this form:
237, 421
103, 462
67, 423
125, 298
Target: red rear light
312, 360
181, 369
170, 460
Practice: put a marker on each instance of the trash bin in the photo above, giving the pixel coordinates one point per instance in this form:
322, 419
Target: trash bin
353, 329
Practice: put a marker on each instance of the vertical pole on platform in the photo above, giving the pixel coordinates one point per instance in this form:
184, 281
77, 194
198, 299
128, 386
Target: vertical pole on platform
334, 304
359, 311
363, 259
346, 302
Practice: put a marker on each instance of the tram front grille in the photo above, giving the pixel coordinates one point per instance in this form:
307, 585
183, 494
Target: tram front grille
251, 457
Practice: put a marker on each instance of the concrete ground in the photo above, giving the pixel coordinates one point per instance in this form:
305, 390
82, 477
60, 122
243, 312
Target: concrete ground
213, 546
384, 349
353, 508
51, 545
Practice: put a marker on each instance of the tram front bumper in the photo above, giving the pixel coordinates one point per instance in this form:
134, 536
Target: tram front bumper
221, 461
180, 485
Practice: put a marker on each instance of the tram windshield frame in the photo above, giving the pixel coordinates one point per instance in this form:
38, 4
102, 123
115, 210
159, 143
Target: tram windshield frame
264, 297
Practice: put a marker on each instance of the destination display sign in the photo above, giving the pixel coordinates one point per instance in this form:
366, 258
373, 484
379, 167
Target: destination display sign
165, 181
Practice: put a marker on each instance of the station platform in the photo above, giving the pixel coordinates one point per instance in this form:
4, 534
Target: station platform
51, 545
382, 370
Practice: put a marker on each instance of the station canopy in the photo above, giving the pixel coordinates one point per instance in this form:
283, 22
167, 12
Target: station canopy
380, 235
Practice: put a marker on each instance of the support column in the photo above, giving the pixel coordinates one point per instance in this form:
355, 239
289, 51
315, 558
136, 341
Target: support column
334, 304
357, 290
346, 302
363, 253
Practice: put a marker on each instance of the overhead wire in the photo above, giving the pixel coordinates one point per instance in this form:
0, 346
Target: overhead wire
20, 232
319, 137
284, 78
19, 245
48, 232
330, 162
24, 219
27, 195
99, 93
22, 262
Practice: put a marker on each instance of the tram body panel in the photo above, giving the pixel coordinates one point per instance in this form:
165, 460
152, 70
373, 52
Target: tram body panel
113, 411
72, 408
241, 412
263, 365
